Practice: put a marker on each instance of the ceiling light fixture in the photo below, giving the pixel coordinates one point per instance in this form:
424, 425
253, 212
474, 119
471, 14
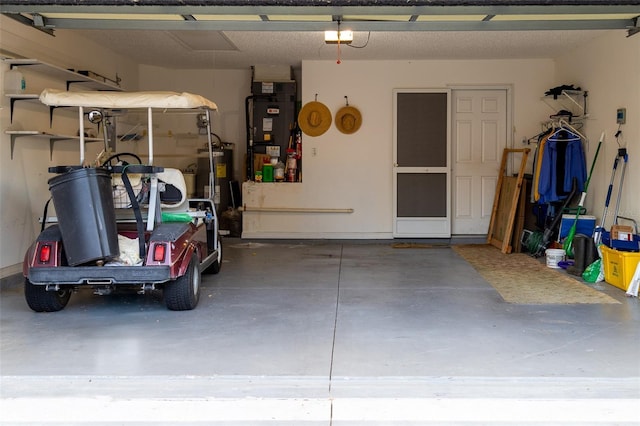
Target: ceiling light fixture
334, 37
337, 38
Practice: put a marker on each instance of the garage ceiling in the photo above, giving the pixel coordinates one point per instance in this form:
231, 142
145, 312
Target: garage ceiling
231, 34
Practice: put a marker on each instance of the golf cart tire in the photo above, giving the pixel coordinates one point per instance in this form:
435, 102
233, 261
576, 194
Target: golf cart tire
215, 267
41, 300
183, 293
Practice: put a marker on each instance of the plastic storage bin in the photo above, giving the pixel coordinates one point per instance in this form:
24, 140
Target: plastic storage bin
86, 216
619, 266
633, 245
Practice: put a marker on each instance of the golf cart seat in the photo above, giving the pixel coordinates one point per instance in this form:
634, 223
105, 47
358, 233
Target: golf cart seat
172, 186
174, 196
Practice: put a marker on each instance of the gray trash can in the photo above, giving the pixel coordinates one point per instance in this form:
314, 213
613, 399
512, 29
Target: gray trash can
84, 205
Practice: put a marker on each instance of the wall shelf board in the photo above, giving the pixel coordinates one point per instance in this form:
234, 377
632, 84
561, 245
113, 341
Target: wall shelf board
69, 76
15, 134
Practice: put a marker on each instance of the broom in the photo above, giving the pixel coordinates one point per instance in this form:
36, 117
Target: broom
568, 242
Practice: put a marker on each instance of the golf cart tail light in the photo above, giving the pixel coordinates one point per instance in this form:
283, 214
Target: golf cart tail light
45, 253
158, 252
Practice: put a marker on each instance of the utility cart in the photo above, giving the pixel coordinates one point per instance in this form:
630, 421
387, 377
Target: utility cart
150, 237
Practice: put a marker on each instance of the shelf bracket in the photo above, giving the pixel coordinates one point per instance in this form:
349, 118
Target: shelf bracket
52, 141
12, 102
51, 108
13, 143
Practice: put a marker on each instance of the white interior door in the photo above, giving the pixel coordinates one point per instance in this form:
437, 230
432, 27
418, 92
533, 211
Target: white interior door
479, 137
421, 155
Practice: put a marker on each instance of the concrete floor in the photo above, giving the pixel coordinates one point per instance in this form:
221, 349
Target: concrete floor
323, 333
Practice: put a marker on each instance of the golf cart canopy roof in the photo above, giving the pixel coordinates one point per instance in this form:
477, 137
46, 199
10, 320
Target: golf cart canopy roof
167, 100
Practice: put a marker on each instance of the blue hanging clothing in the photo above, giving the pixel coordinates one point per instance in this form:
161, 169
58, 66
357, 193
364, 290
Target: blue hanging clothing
563, 160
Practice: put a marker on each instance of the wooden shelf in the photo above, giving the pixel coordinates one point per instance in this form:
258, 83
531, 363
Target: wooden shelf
15, 134
23, 96
69, 76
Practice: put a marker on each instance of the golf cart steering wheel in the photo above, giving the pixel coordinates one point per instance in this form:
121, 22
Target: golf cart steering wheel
108, 161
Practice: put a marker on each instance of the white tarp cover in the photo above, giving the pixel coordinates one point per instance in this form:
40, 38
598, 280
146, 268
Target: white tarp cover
168, 100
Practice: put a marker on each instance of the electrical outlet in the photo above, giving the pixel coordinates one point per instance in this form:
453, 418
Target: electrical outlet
314, 152
621, 116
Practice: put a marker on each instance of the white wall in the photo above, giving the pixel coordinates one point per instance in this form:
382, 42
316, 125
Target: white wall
23, 183
227, 88
609, 68
23, 179
355, 171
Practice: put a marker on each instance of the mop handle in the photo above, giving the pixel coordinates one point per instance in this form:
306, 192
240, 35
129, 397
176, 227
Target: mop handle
586, 185
569, 240
624, 168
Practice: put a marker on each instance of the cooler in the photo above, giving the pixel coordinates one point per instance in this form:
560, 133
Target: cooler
586, 224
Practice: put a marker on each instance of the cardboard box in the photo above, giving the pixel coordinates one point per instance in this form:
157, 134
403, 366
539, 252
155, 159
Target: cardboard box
622, 232
619, 266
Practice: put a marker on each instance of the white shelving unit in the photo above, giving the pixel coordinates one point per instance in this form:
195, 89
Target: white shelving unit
69, 76
574, 101
71, 79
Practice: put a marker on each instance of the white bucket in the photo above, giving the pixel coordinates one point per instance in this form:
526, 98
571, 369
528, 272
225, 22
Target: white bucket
554, 256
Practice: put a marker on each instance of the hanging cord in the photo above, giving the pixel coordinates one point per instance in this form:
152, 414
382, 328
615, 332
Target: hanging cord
617, 135
338, 61
364, 45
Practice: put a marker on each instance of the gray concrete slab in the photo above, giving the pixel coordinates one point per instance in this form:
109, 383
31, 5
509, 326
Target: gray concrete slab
322, 332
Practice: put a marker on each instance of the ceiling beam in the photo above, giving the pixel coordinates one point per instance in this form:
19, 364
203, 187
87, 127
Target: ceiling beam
30, 22
324, 3
303, 8
369, 16
265, 25
635, 28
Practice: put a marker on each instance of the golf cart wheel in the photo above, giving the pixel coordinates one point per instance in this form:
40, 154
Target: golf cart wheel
183, 293
41, 300
217, 264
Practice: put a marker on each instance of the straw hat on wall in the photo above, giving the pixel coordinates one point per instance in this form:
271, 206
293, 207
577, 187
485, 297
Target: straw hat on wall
348, 119
314, 118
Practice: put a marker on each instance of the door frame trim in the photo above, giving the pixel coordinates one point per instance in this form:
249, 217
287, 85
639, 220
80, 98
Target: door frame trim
448, 169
